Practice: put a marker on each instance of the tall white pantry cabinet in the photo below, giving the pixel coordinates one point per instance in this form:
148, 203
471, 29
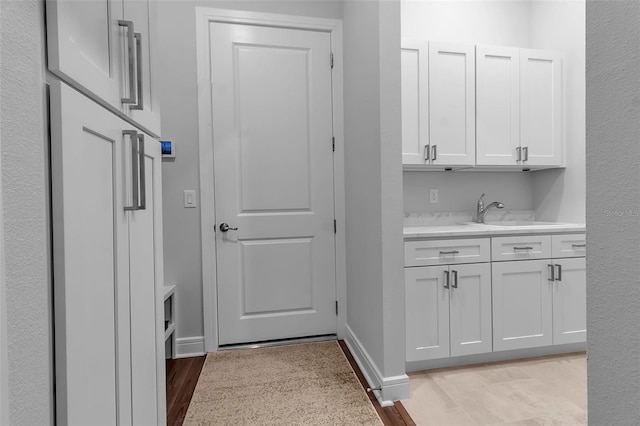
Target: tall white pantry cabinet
107, 213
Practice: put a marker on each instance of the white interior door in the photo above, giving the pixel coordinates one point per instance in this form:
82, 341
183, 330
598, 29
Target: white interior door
273, 166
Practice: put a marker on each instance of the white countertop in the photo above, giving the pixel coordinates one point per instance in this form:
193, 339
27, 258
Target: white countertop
479, 230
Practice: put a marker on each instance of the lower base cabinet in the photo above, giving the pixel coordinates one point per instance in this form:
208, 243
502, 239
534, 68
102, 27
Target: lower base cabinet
448, 311
457, 309
522, 305
570, 301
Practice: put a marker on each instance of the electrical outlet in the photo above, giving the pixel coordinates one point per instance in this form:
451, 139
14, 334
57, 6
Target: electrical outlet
433, 196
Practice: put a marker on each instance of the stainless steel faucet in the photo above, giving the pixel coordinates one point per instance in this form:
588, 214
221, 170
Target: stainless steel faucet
481, 210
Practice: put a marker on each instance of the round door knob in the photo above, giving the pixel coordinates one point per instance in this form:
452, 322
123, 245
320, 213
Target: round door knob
224, 227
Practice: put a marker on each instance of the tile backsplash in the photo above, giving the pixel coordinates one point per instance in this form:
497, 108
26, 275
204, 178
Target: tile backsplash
451, 218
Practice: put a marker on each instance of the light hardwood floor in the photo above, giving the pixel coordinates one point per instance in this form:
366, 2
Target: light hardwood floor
537, 391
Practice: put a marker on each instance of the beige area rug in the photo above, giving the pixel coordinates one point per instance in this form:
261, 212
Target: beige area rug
304, 384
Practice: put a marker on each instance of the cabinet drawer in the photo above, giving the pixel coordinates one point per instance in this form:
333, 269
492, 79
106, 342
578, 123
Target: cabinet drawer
521, 247
446, 252
569, 245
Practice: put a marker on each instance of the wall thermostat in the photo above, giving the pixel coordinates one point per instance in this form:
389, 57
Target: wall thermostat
168, 149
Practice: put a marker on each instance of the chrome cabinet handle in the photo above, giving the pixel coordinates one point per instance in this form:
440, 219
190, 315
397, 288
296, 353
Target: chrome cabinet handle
143, 179
523, 248
519, 153
559, 273
426, 153
579, 245
434, 152
551, 273
140, 102
131, 47
449, 252
446, 279
224, 227
455, 279
133, 135
526, 153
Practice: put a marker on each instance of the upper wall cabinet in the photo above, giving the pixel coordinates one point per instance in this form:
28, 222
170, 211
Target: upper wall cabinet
541, 107
498, 105
438, 104
415, 101
489, 107
106, 49
519, 107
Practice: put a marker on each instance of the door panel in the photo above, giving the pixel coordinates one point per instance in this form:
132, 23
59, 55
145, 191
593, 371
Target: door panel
84, 47
90, 262
415, 101
427, 308
521, 304
498, 105
146, 292
470, 314
143, 13
570, 302
452, 103
541, 106
273, 166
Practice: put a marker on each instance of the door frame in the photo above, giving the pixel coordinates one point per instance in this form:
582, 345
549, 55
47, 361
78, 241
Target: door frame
204, 17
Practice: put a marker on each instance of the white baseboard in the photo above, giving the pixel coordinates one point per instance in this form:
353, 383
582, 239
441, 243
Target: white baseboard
392, 388
190, 346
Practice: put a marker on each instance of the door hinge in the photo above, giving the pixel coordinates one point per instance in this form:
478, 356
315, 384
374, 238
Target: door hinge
333, 143
335, 226
331, 59
336, 307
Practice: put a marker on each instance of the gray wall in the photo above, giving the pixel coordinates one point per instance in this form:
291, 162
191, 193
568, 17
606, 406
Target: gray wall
560, 25
375, 284
179, 100
613, 211
25, 215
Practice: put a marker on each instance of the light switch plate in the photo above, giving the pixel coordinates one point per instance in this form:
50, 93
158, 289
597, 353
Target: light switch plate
190, 198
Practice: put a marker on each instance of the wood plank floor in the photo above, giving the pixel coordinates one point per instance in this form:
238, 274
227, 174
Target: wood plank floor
182, 376
535, 391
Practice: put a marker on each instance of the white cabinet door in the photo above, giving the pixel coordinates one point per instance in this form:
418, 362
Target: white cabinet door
497, 105
147, 292
84, 42
415, 101
522, 304
91, 262
541, 97
570, 301
427, 313
470, 309
452, 104
143, 13
107, 267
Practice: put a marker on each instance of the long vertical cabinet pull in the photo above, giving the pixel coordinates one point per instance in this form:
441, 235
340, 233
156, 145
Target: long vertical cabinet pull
446, 279
519, 153
525, 150
140, 103
143, 180
551, 273
131, 53
455, 279
426, 153
559, 273
133, 135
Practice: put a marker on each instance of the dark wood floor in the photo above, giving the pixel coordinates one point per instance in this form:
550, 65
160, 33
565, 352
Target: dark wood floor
182, 376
